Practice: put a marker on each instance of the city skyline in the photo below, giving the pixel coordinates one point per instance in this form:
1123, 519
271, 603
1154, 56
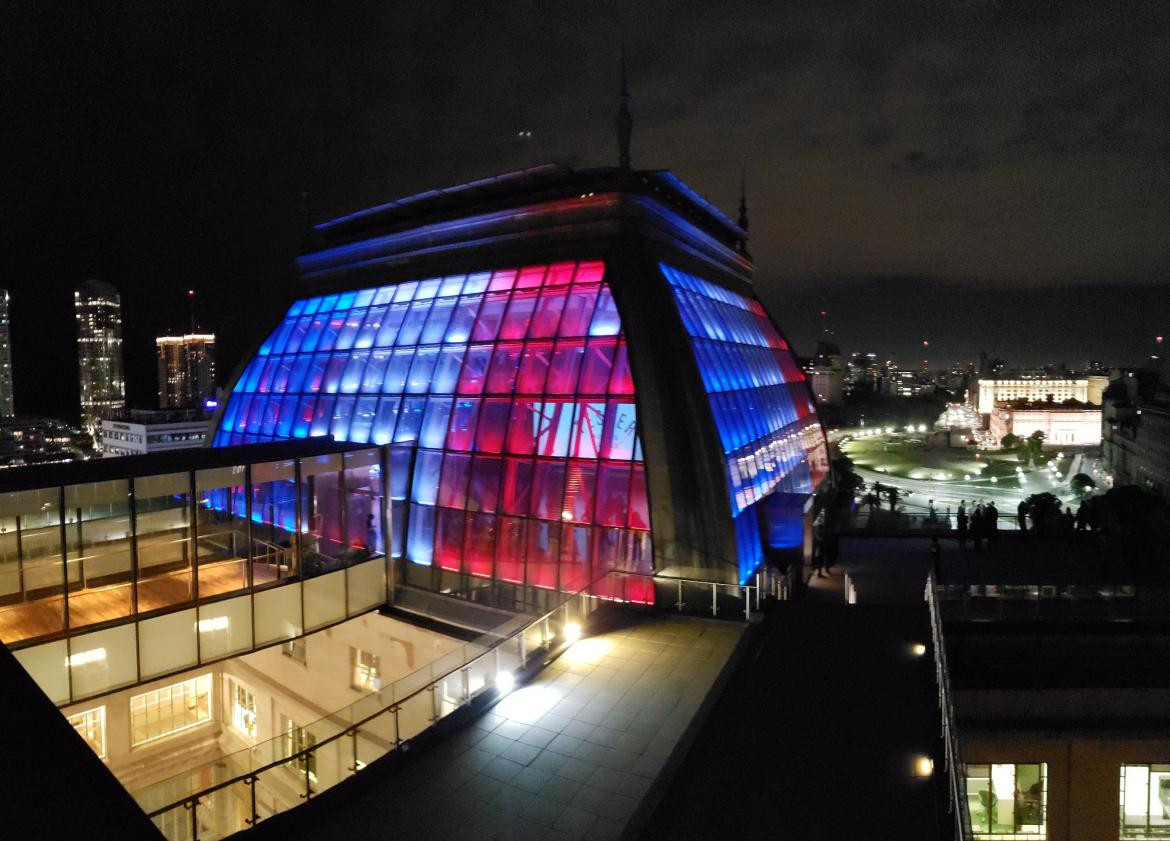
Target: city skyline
965, 155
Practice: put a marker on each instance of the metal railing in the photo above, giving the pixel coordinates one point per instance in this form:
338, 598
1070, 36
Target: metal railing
956, 770
706, 595
236, 791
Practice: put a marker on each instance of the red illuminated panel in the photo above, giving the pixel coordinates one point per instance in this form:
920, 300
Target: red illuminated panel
507, 398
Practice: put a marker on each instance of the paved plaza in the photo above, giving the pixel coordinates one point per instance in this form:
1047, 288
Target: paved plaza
570, 755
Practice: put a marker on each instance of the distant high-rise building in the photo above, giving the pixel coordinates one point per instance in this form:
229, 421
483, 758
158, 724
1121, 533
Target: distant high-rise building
6, 403
98, 309
826, 373
186, 370
140, 431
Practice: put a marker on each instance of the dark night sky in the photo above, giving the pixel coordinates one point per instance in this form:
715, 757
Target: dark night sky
981, 174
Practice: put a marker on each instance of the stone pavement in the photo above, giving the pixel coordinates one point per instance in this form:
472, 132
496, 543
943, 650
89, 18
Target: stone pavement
570, 755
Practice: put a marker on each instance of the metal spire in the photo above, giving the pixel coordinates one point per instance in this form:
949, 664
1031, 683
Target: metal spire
311, 240
623, 121
743, 217
743, 212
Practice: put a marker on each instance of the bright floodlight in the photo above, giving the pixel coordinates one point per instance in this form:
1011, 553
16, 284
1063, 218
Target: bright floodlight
504, 682
923, 766
918, 648
572, 632
922, 427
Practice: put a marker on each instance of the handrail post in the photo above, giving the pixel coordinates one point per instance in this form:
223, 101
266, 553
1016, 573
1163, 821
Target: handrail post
679, 603
251, 784
714, 605
193, 806
747, 602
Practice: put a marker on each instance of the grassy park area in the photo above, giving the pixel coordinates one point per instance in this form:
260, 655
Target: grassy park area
935, 468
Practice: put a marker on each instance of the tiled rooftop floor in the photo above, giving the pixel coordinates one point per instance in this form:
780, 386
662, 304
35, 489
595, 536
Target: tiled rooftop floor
568, 756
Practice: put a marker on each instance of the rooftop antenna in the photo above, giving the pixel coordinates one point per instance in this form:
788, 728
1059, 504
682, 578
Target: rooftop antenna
623, 121
311, 240
743, 212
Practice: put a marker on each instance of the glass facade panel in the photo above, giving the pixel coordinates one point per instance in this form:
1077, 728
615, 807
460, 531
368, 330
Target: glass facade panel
98, 551
32, 571
530, 363
221, 511
166, 558
225, 628
103, 660
767, 424
167, 643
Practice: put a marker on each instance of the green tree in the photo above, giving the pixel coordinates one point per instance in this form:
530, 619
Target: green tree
890, 492
1043, 509
847, 480
1035, 446
1010, 441
1082, 483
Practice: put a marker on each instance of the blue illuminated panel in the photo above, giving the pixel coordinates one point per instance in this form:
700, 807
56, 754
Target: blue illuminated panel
509, 404
762, 408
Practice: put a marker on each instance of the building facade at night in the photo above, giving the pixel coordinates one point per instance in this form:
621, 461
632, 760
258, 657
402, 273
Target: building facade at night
1136, 428
186, 370
1078, 426
98, 312
826, 374
7, 406
140, 431
1038, 389
572, 371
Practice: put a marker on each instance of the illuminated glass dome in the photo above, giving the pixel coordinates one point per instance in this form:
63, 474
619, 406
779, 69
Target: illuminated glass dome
513, 346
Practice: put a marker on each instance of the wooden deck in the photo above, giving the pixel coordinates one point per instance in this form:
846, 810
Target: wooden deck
89, 606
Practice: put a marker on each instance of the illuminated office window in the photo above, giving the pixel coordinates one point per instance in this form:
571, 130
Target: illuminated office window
169, 710
367, 676
91, 726
1008, 801
1145, 801
296, 739
297, 650
243, 706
